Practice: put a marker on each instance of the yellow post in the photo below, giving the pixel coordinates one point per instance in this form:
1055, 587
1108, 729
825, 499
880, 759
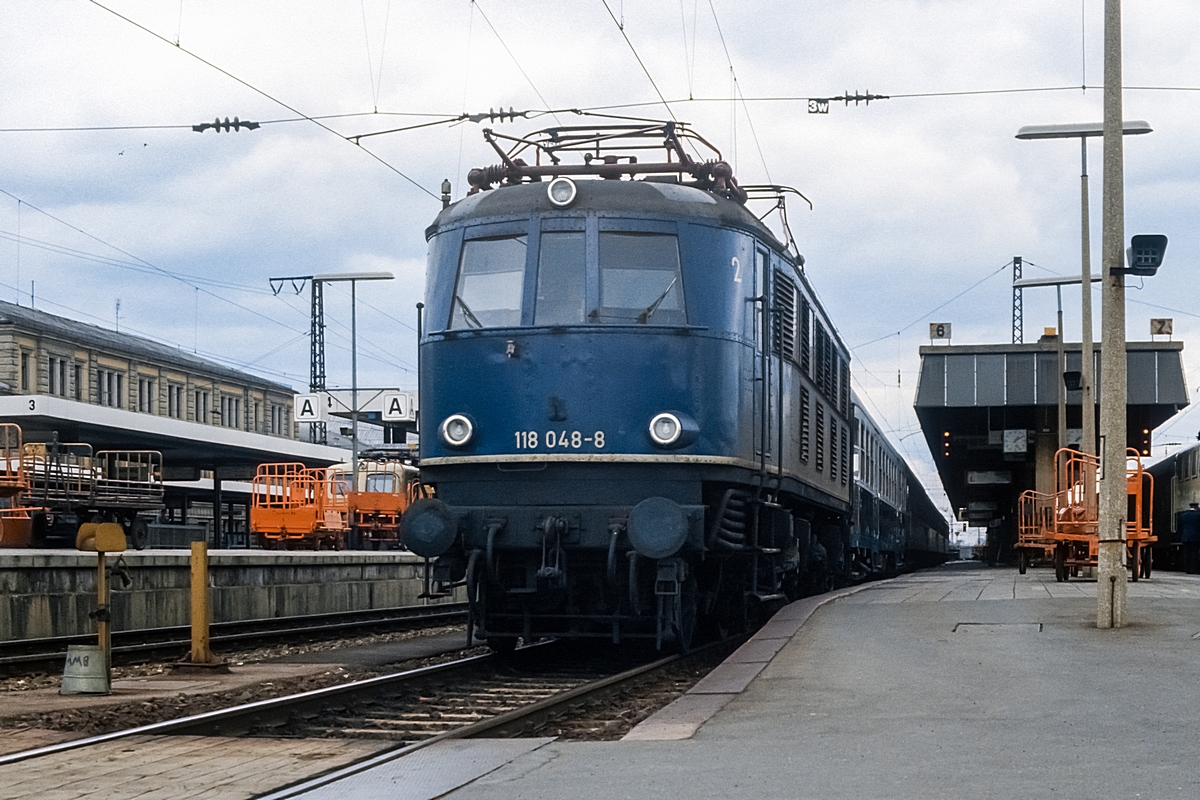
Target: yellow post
200, 612
103, 633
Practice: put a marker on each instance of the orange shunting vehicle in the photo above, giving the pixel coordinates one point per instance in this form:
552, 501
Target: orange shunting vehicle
383, 489
298, 507
1066, 524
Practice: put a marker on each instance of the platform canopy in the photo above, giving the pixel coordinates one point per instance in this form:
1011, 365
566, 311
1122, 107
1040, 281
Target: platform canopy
187, 447
989, 414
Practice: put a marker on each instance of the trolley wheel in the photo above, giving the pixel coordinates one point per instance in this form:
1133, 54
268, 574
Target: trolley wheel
139, 533
1023, 562
1061, 573
1135, 569
1148, 562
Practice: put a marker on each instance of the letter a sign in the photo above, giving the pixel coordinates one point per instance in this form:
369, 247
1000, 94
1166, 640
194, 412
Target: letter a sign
396, 407
309, 408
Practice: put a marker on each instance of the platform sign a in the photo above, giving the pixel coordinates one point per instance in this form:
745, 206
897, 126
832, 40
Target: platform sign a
309, 408
397, 407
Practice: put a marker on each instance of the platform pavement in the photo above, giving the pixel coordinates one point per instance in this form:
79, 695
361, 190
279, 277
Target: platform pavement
960, 682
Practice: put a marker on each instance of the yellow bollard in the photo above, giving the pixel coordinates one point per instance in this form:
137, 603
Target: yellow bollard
200, 655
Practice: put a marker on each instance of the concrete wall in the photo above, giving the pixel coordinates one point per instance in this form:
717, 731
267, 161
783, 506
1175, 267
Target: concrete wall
51, 594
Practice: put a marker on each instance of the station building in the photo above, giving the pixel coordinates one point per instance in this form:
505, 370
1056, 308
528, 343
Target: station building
76, 382
989, 414
44, 354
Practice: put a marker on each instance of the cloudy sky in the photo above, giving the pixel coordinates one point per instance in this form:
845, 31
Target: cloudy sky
109, 196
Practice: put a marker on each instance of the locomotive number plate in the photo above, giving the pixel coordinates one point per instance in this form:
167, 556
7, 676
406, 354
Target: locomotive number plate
559, 440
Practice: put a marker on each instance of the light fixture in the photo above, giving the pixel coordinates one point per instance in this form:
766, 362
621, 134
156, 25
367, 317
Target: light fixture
665, 429
562, 192
456, 430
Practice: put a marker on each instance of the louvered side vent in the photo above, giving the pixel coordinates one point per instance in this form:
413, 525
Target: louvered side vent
784, 317
845, 369
821, 378
845, 457
833, 449
820, 437
805, 338
805, 426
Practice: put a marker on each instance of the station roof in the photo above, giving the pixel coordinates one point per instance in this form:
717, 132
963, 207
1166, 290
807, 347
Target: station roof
986, 410
185, 446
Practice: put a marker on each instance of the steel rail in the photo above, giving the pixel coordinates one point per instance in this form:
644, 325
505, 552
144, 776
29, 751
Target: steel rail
32, 651
506, 725
240, 719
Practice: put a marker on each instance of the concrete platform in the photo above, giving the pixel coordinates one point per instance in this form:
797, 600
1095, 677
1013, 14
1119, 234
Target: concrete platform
956, 682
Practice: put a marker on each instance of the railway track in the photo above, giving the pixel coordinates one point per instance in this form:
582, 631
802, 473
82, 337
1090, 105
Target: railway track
128, 646
486, 694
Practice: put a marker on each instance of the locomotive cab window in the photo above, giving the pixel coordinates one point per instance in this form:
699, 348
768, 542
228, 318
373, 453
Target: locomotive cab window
491, 279
560, 280
640, 280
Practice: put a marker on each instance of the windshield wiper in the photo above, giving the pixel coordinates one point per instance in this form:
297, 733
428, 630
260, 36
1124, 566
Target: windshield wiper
468, 315
645, 316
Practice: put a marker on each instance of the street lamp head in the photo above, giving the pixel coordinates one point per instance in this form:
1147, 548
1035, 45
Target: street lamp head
354, 276
1080, 130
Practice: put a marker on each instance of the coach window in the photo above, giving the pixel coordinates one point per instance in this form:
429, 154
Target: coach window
561, 263
491, 277
640, 281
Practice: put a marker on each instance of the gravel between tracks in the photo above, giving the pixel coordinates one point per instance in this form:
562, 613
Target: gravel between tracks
612, 716
97, 720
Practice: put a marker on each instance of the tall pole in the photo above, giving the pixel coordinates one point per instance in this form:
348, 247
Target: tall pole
1088, 365
1111, 589
1062, 389
353, 385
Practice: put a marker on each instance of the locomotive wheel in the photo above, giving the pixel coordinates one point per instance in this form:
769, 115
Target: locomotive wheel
685, 629
503, 645
1023, 562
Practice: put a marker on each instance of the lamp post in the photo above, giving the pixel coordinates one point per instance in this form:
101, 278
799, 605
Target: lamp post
353, 278
1082, 131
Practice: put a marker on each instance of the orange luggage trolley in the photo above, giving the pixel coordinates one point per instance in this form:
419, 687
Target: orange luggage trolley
293, 505
1073, 524
1035, 518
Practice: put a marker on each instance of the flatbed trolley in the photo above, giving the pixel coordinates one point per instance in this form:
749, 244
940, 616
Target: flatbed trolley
68, 484
1070, 518
293, 506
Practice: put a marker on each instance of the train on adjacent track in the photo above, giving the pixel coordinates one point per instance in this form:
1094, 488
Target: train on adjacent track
1176, 485
637, 415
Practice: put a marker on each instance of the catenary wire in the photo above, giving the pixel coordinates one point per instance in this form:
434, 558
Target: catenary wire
256, 90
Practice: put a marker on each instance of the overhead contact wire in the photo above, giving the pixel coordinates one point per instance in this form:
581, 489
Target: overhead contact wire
256, 90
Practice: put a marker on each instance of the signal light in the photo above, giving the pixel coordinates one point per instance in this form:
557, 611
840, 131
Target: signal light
1144, 255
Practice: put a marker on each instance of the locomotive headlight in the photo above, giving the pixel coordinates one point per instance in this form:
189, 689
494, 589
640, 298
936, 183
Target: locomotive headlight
665, 429
456, 430
562, 192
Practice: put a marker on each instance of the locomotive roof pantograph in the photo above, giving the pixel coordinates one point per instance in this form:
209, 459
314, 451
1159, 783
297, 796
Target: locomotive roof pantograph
613, 152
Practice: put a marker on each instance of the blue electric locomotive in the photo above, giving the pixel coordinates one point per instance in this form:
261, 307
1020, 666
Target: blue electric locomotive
635, 413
